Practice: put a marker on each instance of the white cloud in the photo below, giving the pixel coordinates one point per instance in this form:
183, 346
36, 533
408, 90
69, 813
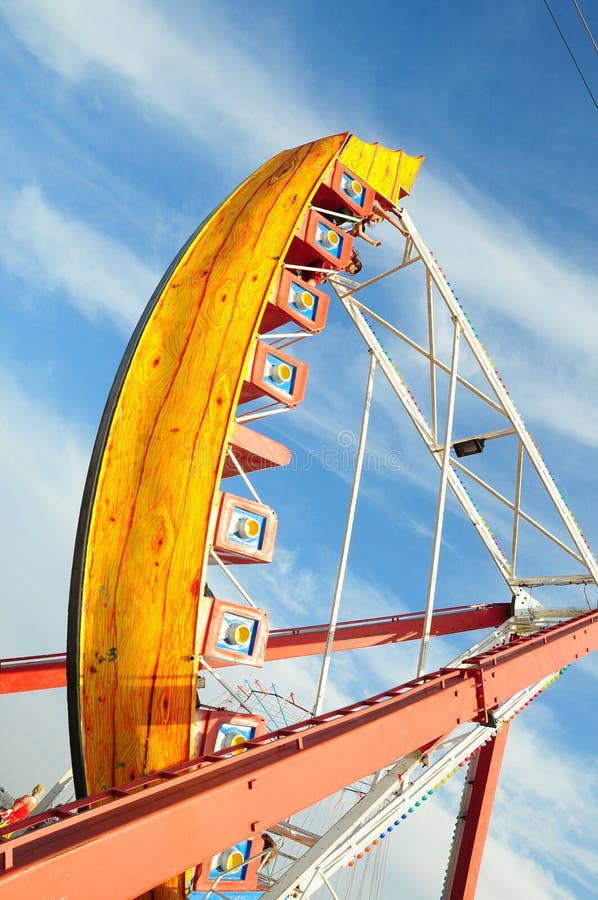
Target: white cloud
500, 264
547, 794
419, 852
201, 78
532, 302
221, 91
43, 460
532, 305
38, 750
55, 252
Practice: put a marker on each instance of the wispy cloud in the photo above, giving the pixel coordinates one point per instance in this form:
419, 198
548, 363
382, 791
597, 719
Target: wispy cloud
529, 297
220, 91
58, 253
420, 850
499, 263
202, 79
557, 796
43, 460
533, 305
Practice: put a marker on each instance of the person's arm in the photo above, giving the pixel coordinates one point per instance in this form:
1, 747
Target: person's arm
359, 231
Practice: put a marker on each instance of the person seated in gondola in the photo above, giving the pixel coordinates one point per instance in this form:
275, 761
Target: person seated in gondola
344, 217
269, 852
22, 807
358, 229
317, 278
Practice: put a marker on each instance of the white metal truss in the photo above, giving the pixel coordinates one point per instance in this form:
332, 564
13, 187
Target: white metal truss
392, 793
498, 399
325, 849
268, 409
357, 311
241, 471
391, 798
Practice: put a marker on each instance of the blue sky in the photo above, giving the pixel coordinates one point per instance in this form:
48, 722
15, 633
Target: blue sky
123, 125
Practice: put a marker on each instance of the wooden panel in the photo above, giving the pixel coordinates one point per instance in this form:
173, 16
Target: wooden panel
406, 174
143, 558
387, 171
358, 156
136, 616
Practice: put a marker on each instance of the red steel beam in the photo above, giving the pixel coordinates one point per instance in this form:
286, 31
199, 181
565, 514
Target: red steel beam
311, 640
32, 673
154, 829
39, 672
474, 819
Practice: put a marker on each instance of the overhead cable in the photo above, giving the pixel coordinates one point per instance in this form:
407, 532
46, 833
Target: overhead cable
564, 40
585, 24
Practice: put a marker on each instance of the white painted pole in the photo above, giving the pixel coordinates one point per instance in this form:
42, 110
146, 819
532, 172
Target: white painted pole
227, 688
340, 578
232, 578
516, 507
432, 349
421, 664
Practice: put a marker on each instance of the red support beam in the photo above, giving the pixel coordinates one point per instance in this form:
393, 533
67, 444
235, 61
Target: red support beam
165, 823
474, 819
311, 640
32, 673
35, 673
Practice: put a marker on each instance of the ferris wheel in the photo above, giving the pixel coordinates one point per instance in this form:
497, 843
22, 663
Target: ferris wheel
203, 796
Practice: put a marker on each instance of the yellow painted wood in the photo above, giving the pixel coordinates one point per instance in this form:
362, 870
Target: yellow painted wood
142, 612
407, 170
385, 170
160, 471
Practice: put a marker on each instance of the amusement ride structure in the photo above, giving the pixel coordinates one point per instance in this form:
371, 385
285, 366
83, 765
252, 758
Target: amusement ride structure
178, 796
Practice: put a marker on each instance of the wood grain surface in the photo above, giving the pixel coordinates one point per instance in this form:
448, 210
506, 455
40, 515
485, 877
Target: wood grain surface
387, 171
147, 515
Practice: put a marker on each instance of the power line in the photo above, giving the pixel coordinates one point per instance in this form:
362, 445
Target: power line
585, 24
556, 25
